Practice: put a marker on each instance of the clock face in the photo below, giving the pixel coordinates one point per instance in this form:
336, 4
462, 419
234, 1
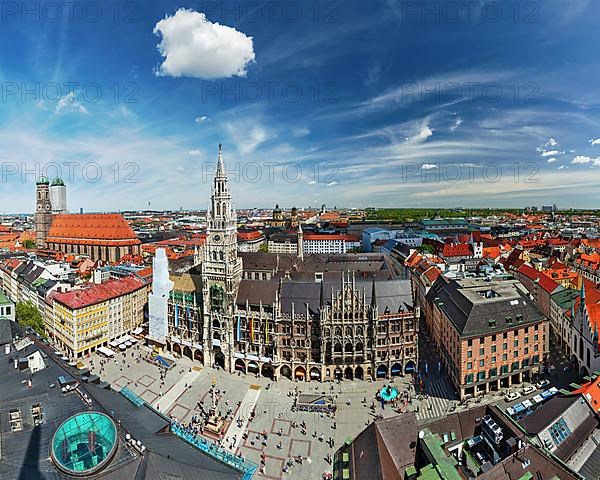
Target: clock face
217, 238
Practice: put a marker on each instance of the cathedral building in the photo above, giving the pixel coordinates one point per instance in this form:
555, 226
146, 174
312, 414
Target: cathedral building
312, 317
100, 236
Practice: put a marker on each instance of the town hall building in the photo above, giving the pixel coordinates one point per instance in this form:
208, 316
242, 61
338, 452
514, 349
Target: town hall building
306, 317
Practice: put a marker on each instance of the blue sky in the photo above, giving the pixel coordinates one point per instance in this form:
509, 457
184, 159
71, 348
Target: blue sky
347, 103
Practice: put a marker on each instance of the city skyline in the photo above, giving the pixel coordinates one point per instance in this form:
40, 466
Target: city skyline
397, 109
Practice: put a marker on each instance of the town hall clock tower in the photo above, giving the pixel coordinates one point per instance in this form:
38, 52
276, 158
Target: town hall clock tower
221, 273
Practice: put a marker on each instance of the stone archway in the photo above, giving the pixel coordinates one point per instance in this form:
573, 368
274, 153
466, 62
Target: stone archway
177, 349
410, 367
315, 374
168, 346
349, 373
267, 371
286, 371
359, 373
187, 351
219, 358
396, 369
239, 365
253, 368
382, 371
338, 374
198, 355
300, 373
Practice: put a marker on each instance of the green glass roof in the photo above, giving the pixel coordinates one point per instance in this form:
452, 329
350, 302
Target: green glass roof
43, 181
84, 443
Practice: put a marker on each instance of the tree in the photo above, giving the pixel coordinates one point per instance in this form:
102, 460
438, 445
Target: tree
27, 315
264, 248
29, 244
426, 248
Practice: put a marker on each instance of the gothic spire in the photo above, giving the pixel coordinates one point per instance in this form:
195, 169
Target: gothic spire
373, 295
220, 166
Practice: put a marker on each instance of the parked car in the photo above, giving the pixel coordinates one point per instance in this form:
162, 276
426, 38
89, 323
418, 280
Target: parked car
543, 384
528, 390
512, 396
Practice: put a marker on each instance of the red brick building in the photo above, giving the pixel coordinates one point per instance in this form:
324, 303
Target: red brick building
488, 333
102, 236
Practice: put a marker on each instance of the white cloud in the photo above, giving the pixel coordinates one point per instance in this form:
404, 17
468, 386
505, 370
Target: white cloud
595, 141
300, 132
247, 136
551, 153
68, 102
331, 184
458, 123
312, 182
561, 167
552, 160
585, 160
423, 134
201, 119
428, 166
551, 142
180, 168
192, 46
195, 153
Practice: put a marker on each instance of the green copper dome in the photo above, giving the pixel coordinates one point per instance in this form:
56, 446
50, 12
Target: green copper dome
43, 181
58, 182
84, 444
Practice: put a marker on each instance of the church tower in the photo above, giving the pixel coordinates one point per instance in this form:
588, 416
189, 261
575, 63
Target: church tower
43, 212
221, 273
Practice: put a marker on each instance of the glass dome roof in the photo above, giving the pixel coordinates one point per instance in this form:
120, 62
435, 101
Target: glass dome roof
84, 443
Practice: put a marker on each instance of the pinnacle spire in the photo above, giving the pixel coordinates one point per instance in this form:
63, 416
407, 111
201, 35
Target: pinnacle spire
373, 295
220, 166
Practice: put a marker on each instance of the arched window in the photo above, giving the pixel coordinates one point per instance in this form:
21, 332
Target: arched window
338, 332
348, 332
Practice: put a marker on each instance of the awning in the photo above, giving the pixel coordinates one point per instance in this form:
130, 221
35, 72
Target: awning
265, 359
252, 357
238, 355
106, 351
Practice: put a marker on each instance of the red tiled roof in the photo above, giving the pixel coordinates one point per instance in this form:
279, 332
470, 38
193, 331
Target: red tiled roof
491, 252
456, 250
98, 293
544, 281
249, 235
591, 391
91, 229
432, 274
